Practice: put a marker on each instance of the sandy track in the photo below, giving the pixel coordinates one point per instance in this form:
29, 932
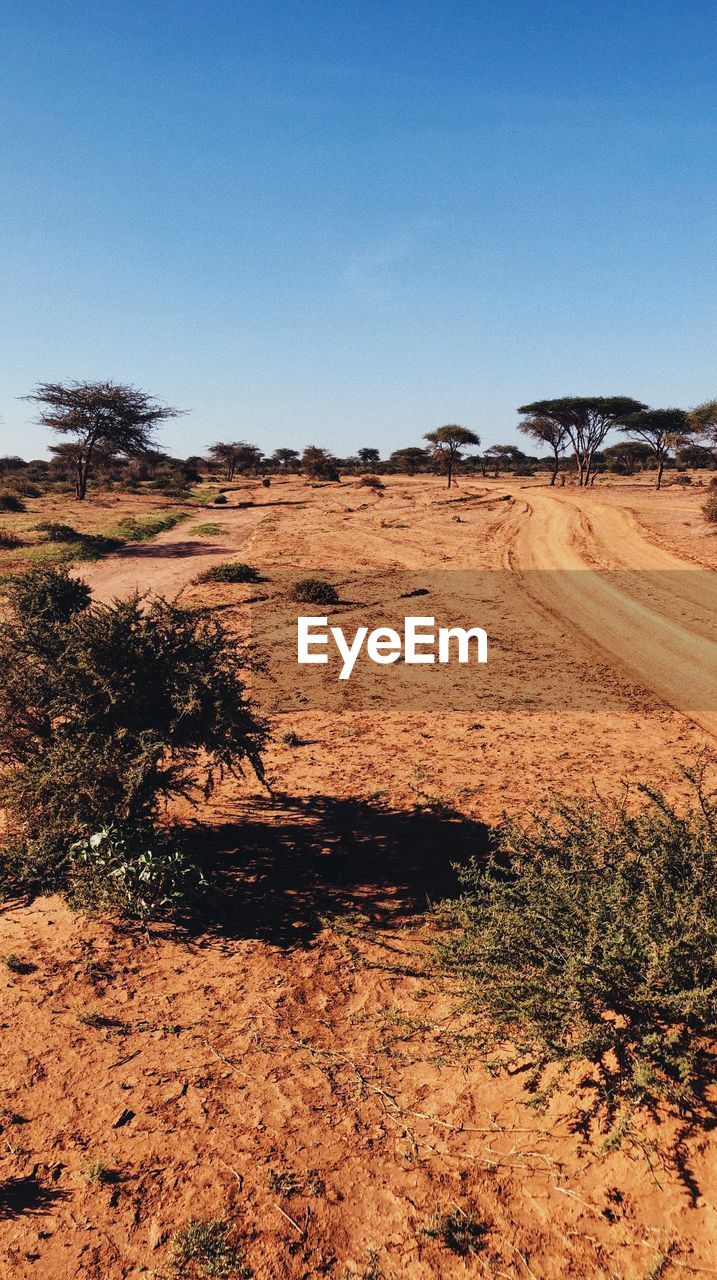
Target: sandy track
580, 559
170, 562
589, 565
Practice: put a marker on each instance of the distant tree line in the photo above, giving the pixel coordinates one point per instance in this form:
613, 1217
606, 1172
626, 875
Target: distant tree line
107, 432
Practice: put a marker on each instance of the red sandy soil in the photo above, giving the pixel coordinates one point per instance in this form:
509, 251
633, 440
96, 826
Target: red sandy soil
302, 1034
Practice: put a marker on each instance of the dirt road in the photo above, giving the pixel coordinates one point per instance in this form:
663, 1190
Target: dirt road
579, 557
648, 610
168, 563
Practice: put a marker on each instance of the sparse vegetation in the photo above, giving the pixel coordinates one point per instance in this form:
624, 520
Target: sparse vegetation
205, 1248
314, 591
459, 1230
372, 1270
283, 1182
96, 1019
590, 936
99, 1173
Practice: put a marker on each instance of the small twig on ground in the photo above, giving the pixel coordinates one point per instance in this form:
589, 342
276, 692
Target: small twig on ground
303, 1231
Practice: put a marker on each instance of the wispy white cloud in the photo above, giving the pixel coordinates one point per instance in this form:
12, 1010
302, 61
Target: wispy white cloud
372, 274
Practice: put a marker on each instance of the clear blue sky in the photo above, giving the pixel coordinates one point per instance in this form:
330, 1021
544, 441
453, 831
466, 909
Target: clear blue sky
347, 223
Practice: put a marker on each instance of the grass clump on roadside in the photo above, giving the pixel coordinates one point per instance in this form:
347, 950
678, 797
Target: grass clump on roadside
209, 530
204, 1248
144, 528
314, 591
589, 936
78, 546
231, 571
107, 713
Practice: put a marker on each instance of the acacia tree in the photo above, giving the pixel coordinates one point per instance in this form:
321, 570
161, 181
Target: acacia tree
319, 464
661, 430
696, 456
235, 455
447, 442
586, 421
703, 420
368, 457
103, 418
502, 457
547, 431
409, 460
627, 456
285, 458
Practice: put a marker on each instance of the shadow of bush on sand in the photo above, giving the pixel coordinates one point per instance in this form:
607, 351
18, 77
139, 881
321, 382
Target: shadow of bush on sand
287, 863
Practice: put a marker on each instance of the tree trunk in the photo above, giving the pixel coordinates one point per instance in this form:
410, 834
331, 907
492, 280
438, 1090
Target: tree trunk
660, 469
81, 470
556, 469
449, 467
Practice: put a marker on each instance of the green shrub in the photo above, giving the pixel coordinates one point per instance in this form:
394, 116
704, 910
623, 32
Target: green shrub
137, 873
220, 500
9, 541
232, 571
11, 502
44, 596
58, 532
109, 711
371, 482
314, 591
590, 936
204, 1248
27, 489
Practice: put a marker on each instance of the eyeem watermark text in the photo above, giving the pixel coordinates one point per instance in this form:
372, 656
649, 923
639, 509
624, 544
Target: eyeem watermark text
421, 643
